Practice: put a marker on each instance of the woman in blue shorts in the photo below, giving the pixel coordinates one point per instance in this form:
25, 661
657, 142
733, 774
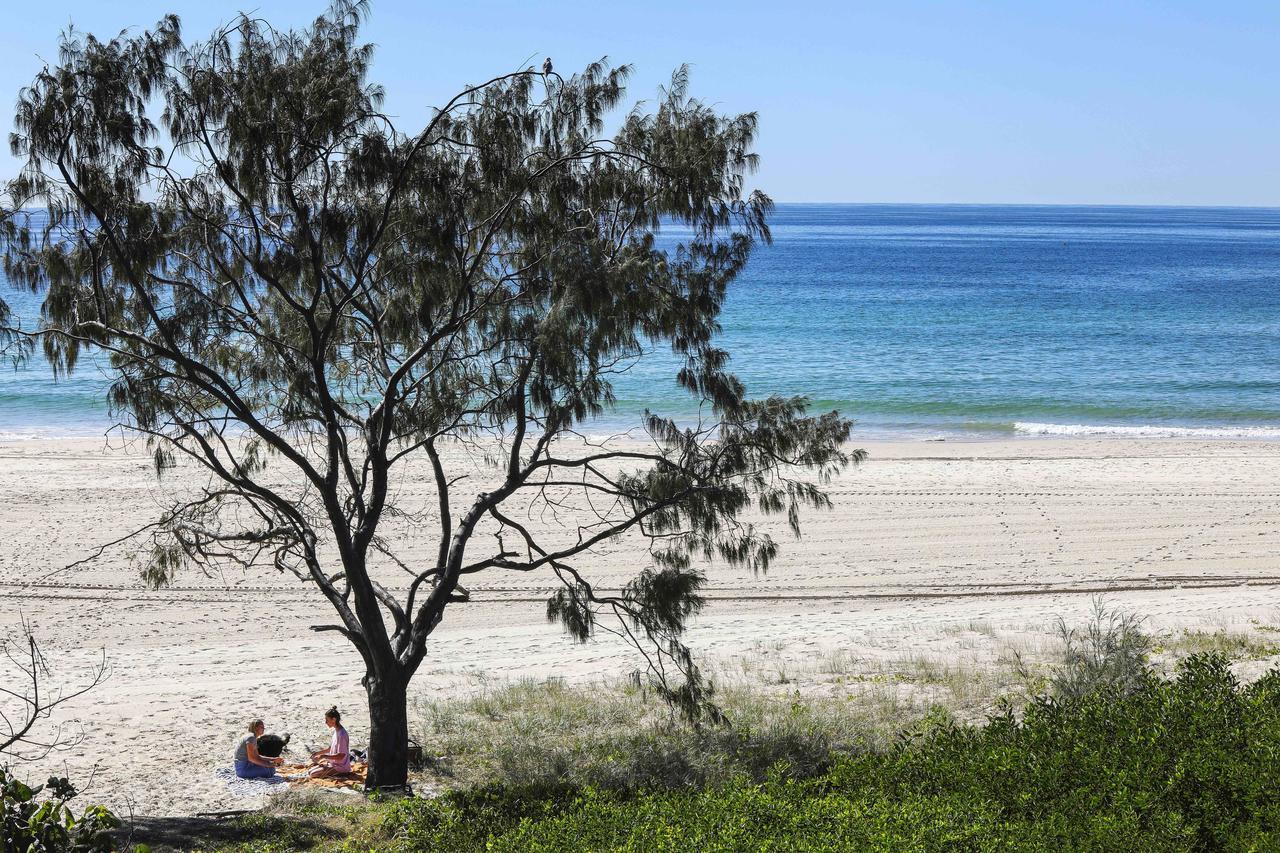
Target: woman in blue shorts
249, 764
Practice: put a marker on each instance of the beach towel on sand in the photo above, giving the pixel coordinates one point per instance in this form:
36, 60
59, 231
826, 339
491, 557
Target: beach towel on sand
250, 787
352, 781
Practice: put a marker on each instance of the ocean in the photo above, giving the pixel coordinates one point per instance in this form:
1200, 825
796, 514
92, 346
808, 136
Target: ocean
951, 321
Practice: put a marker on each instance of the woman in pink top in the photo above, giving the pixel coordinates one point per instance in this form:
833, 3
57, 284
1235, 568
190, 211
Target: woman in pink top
337, 759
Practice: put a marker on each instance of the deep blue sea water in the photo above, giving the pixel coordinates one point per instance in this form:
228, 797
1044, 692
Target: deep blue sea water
956, 320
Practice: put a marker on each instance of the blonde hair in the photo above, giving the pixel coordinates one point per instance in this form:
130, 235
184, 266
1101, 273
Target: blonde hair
253, 726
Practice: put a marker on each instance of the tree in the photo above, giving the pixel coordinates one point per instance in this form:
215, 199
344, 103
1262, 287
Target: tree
279, 276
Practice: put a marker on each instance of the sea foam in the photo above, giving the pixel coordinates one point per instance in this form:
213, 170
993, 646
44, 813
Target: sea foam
1146, 431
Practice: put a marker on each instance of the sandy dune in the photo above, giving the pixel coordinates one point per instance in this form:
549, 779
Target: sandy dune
924, 536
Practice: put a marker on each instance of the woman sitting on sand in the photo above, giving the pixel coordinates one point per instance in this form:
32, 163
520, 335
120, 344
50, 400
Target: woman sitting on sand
336, 760
249, 764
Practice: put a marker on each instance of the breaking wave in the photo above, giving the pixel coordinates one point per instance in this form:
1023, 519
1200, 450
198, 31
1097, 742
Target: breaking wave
1146, 431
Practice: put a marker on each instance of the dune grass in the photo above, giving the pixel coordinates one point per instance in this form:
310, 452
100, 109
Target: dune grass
532, 734
1233, 645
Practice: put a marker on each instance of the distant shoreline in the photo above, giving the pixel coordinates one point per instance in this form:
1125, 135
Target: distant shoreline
1025, 205
1021, 432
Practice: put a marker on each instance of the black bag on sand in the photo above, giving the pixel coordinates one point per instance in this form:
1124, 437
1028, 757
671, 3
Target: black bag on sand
270, 746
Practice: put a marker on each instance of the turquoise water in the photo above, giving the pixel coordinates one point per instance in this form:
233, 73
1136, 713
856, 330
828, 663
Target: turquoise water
947, 320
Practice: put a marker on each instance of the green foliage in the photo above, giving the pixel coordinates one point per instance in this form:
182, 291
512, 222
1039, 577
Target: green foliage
1188, 763
29, 822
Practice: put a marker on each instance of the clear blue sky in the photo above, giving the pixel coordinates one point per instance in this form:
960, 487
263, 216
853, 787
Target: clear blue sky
1020, 102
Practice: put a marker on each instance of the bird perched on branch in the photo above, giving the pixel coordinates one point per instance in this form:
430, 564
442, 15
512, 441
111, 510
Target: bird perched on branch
546, 66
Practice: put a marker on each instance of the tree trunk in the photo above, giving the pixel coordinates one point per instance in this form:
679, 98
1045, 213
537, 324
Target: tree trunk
388, 732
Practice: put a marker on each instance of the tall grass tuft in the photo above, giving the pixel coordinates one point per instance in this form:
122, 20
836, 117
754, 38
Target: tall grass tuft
1109, 654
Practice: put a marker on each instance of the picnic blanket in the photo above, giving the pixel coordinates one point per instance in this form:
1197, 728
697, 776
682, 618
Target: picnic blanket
352, 782
250, 787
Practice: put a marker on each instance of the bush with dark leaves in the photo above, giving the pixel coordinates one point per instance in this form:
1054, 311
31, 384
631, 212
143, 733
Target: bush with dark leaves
31, 822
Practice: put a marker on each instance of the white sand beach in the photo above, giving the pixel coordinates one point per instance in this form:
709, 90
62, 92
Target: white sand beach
924, 537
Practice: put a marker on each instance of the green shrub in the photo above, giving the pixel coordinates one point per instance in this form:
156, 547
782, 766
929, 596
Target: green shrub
780, 815
1188, 763
33, 823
